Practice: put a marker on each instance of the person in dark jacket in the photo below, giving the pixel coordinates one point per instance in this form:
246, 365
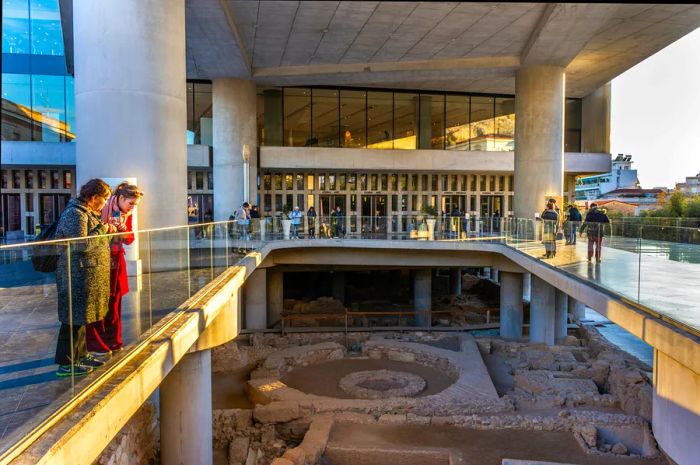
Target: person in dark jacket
82, 276
572, 224
338, 222
595, 224
311, 221
549, 231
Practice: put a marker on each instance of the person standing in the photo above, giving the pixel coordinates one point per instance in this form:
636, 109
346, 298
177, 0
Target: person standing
572, 224
295, 215
549, 231
337, 220
243, 221
311, 222
82, 277
105, 336
594, 224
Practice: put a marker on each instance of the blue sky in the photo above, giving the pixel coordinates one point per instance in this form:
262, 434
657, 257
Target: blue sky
656, 114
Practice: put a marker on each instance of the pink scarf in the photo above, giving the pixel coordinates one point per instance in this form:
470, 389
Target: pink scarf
111, 207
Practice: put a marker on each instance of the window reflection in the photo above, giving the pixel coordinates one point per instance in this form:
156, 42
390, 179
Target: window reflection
481, 130
405, 118
46, 34
352, 118
572, 121
457, 122
48, 97
297, 117
504, 122
432, 121
15, 26
325, 118
380, 131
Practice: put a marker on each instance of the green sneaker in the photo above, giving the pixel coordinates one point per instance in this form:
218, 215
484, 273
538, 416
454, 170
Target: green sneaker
73, 370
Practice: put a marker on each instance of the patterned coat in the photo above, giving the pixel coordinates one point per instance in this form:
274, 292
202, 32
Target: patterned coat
89, 265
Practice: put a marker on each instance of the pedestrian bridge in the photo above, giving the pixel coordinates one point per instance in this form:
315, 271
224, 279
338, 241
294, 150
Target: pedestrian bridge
170, 348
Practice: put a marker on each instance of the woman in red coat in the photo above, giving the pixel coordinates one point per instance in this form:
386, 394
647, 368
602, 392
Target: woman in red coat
105, 336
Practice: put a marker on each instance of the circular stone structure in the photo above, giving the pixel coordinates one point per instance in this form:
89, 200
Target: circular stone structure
381, 384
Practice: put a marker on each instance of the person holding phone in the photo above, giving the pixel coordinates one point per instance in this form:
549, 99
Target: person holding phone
105, 336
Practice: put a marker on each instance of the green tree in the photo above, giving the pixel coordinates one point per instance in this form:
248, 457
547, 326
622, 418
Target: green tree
677, 204
692, 207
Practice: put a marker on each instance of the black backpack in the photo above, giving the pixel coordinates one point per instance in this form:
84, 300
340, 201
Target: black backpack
45, 257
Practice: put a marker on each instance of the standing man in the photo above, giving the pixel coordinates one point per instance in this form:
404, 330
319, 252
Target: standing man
595, 225
573, 223
243, 221
337, 220
295, 215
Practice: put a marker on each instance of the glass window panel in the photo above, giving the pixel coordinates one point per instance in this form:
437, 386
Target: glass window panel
310, 200
300, 181
43, 179
267, 182
403, 182
445, 185
384, 182
432, 114
492, 183
202, 114
405, 119
393, 179
325, 118
404, 203
46, 34
510, 183
29, 202
54, 179
278, 202
363, 182
267, 200
414, 182
414, 202
16, 107
453, 183
457, 122
16, 179
483, 183
425, 182
434, 182
352, 182
353, 118
49, 105
322, 182
297, 117
373, 182
29, 179
473, 186
504, 122
199, 176
394, 203
278, 182
310, 182
331, 182
190, 113
288, 182
210, 180
481, 129
353, 203
300, 202
289, 201
189, 180
464, 183
15, 26
70, 108
572, 125
501, 183
341, 182
380, 120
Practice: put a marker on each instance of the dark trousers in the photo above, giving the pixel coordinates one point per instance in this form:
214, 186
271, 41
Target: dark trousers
63, 345
106, 335
594, 242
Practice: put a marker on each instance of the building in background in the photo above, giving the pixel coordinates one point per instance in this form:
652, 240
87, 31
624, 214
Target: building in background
691, 186
622, 176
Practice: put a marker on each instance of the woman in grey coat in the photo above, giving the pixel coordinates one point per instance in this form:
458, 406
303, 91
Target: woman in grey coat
82, 284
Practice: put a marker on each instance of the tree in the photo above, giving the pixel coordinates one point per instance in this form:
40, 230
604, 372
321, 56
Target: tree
677, 204
692, 208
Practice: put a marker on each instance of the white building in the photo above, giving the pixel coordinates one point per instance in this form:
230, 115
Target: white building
691, 186
622, 176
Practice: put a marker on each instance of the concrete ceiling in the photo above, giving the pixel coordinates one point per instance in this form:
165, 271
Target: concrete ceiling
455, 46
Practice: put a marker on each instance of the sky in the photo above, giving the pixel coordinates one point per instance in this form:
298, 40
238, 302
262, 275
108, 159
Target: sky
655, 114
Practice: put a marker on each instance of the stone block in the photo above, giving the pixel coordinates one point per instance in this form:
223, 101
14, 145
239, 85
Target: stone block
619, 449
354, 417
397, 356
281, 461
296, 456
277, 412
389, 419
238, 451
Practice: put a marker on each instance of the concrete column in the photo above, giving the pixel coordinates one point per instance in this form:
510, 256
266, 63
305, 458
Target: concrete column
455, 281
577, 310
527, 279
256, 300
561, 320
539, 137
234, 111
542, 303
131, 118
339, 286
275, 296
273, 117
511, 311
595, 124
186, 411
494, 274
422, 298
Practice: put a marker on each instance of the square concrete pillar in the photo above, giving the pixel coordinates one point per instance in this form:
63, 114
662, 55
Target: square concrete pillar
422, 298
561, 319
256, 300
542, 303
455, 281
511, 309
275, 296
577, 310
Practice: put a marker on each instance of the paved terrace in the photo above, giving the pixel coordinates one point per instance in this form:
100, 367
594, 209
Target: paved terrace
28, 323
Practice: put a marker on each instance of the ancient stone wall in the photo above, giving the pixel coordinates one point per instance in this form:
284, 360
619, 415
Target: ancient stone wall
136, 443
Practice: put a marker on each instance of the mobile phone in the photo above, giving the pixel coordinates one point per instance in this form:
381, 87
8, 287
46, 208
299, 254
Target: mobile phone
116, 214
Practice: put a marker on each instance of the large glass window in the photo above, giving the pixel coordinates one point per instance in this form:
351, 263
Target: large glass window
380, 128
432, 121
46, 34
572, 121
16, 107
353, 118
481, 130
457, 122
325, 118
199, 113
15, 26
504, 122
297, 117
405, 120
49, 104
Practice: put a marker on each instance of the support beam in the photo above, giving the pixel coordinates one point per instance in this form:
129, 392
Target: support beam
186, 412
561, 317
455, 281
527, 281
542, 303
511, 310
422, 297
539, 138
256, 300
234, 127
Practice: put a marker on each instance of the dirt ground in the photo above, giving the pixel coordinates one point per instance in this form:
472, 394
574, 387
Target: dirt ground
228, 388
471, 447
322, 379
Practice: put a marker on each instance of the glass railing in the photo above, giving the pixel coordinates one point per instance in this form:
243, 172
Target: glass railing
654, 265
